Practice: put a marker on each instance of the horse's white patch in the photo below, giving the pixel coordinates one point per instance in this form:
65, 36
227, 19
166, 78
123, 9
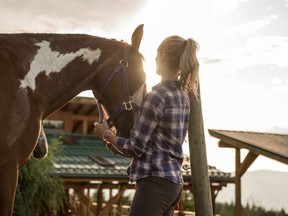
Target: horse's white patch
138, 96
49, 61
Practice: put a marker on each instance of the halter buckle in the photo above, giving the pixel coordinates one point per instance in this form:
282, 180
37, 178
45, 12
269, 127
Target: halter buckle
127, 105
123, 63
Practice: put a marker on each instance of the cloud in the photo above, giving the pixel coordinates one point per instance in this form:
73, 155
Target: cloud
280, 85
257, 50
254, 34
223, 7
211, 60
251, 26
53, 16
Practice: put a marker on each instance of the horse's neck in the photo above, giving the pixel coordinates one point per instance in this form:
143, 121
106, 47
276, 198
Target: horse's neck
55, 77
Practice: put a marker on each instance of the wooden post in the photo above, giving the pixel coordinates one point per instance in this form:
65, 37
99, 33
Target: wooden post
99, 199
198, 159
241, 168
238, 206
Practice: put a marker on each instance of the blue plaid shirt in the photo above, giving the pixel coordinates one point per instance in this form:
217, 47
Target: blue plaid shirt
156, 140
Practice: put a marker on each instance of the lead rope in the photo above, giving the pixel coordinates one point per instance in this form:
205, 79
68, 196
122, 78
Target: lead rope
109, 146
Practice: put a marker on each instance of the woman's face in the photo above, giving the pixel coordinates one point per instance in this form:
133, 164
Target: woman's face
159, 63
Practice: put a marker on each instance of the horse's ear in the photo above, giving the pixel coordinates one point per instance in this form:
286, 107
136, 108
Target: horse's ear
137, 37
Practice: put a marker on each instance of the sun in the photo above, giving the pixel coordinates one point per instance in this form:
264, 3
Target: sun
151, 77
148, 49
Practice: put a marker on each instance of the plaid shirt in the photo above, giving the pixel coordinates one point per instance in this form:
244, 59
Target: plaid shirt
156, 140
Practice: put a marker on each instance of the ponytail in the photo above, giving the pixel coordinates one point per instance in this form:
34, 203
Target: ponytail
189, 67
180, 55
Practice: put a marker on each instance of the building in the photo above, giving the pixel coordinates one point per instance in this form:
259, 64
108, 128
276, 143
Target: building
271, 145
87, 166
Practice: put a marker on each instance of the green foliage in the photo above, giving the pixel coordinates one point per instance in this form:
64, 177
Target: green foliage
39, 192
225, 209
126, 200
188, 201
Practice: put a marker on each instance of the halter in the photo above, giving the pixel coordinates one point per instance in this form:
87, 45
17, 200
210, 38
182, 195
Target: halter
127, 103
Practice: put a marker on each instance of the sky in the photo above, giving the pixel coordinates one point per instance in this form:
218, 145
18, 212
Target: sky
243, 53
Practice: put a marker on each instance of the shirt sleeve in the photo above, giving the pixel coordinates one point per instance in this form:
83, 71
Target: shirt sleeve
152, 109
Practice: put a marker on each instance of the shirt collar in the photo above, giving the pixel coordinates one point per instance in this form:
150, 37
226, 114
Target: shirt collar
165, 83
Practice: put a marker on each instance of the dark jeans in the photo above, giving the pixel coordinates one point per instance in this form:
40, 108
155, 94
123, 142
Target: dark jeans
155, 196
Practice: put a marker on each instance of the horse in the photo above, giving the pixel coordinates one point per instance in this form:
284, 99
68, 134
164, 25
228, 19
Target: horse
41, 149
40, 73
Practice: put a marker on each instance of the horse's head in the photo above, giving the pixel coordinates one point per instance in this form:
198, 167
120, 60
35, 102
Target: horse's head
123, 83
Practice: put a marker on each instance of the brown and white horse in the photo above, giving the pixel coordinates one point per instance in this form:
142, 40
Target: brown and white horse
39, 73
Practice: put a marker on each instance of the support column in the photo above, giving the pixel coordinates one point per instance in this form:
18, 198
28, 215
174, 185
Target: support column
238, 205
99, 199
68, 121
240, 169
198, 159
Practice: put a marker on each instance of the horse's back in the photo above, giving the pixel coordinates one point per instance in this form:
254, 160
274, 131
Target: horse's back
18, 50
15, 56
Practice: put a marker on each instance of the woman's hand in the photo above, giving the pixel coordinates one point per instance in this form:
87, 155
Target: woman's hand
100, 128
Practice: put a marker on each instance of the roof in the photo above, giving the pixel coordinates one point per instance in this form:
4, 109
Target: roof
272, 145
86, 157
79, 109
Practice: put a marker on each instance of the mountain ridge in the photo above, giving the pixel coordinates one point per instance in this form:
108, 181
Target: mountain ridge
265, 188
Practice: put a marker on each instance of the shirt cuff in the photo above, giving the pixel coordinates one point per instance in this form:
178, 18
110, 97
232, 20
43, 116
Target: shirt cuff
121, 142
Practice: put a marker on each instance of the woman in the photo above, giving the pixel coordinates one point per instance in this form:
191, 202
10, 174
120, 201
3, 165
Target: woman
155, 143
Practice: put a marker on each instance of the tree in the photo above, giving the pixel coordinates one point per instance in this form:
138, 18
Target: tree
251, 209
39, 192
188, 201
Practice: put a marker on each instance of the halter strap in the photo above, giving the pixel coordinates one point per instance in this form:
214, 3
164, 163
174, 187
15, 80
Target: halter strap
126, 105
116, 69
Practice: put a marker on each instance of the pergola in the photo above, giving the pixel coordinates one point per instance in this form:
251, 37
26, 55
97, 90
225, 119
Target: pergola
88, 171
86, 164
271, 145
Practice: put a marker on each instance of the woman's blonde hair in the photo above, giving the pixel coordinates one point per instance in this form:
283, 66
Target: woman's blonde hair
181, 55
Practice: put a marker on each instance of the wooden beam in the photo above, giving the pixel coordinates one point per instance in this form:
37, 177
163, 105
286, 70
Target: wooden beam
249, 159
60, 115
113, 200
79, 100
225, 139
68, 123
222, 144
86, 204
198, 159
85, 127
79, 117
240, 169
99, 199
120, 199
56, 115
